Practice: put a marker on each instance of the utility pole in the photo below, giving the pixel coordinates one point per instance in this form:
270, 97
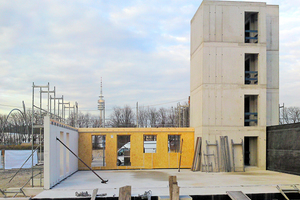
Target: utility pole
137, 114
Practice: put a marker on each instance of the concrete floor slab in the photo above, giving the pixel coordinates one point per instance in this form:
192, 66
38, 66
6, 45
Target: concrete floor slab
190, 183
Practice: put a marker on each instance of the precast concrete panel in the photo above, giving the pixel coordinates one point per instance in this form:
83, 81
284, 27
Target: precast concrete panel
212, 23
196, 69
262, 105
206, 65
196, 30
206, 105
234, 23
206, 25
212, 107
272, 25
273, 69
212, 64
232, 67
262, 67
219, 63
232, 108
196, 108
272, 107
219, 24
219, 98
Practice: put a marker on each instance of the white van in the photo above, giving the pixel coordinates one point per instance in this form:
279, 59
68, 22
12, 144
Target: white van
149, 147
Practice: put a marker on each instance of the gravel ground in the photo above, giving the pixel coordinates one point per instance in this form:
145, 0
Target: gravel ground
20, 179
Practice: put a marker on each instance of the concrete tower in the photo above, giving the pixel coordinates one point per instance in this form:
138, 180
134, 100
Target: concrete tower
101, 107
234, 81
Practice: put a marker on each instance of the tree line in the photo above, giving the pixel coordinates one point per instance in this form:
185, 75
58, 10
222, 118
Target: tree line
289, 115
16, 130
150, 117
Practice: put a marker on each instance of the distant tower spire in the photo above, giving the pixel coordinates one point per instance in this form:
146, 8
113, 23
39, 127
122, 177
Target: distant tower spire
101, 107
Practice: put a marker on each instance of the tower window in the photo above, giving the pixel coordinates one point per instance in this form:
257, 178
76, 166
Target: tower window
251, 69
250, 110
251, 27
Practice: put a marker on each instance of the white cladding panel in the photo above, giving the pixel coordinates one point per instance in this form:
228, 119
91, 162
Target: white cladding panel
56, 165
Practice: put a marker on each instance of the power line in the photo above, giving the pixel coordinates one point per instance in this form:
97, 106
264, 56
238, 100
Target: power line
10, 106
142, 105
165, 103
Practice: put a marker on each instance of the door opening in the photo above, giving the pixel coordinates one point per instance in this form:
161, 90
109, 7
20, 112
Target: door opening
250, 145
123, 150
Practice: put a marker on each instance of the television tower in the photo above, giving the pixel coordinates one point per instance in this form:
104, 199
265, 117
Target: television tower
101, 107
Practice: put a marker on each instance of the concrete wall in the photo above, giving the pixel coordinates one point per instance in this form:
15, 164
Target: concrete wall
217, 86
283, 148
139, 160
59, 163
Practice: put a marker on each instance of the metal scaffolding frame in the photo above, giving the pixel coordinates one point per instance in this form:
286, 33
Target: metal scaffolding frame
59, 117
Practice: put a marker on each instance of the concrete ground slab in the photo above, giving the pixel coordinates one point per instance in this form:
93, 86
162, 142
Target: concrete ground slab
190, 183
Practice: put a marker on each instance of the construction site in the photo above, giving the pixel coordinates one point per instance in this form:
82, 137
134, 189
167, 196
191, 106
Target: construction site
234, 147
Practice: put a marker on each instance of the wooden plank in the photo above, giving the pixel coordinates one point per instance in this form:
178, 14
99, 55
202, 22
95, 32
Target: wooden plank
125, 193
180, 155
173, 188
237, 195
94, 194
197, 156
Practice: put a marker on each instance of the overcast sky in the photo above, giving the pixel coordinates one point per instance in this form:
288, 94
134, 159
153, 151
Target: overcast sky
140, 48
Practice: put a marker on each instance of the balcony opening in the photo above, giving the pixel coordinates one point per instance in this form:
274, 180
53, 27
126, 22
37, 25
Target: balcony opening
251, 69
251, 27
250, 110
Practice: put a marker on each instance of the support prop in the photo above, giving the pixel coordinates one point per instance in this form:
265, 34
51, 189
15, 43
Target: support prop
102, 180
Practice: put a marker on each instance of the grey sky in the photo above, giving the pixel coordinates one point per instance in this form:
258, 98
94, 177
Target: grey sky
139, 48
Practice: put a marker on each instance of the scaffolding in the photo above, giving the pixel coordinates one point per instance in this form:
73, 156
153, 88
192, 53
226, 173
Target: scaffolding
58, 105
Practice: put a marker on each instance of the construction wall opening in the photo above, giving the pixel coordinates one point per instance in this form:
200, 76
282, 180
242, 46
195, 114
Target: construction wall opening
149, 143
174, 143
139, 148
251, 69
98, 151
123, 150
250, 151
251, 27
250, 110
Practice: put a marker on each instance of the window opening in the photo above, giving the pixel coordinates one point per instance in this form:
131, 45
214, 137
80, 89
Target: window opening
123, 150
251, 69
250, 110
61, 154
174, 143
149, 143
68, 154
251, 27
98, 150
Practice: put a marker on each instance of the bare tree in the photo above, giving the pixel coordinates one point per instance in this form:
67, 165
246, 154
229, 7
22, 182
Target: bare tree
162, 117
153, 117
143, 117
122, 117
294, 114
172, 117
128, 116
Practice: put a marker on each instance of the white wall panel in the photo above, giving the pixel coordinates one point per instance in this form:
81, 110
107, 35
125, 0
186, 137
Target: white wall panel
55, 154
